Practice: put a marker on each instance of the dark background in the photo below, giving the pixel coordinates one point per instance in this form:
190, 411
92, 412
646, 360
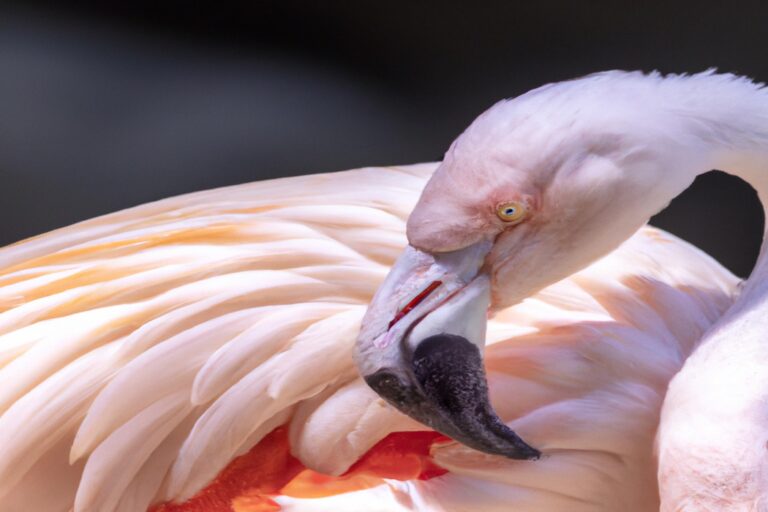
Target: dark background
108, 106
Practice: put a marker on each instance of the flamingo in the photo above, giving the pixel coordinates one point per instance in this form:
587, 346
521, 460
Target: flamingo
220, 350
535, 189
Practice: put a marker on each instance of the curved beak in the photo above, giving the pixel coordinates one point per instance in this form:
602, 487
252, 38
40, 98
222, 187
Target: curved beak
421, 342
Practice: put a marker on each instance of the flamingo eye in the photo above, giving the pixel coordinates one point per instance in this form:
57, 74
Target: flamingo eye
511, 212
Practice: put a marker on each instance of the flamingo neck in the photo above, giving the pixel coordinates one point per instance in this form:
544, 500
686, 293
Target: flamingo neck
717, 122
752, 167
713, 424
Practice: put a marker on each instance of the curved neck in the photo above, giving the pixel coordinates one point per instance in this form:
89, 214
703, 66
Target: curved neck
692, 125
705, 122
751, 166
713, 420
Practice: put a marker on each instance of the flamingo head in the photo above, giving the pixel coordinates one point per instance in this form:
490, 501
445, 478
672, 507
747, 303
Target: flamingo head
534, 190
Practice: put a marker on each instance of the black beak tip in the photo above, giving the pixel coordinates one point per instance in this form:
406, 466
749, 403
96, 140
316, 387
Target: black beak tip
525, 452
447, 391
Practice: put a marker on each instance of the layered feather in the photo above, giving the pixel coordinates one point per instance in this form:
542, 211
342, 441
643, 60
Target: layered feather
142, 351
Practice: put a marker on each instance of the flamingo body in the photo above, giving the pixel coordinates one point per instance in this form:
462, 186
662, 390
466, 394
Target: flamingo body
141, 352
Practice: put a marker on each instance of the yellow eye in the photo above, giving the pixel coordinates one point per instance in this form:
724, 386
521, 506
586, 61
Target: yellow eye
511, 211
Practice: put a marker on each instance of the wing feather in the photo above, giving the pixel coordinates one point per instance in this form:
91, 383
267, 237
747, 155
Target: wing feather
151, 346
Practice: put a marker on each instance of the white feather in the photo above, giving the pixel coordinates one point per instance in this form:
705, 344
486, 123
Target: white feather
173, 337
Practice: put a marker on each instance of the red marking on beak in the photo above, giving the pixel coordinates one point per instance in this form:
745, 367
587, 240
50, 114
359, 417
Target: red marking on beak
414, 302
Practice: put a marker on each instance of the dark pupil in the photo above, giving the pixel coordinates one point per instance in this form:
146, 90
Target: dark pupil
509, 211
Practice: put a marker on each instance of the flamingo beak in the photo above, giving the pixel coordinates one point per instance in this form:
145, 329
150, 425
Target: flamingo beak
421, 342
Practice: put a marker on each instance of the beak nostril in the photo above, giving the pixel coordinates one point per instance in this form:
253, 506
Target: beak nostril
414, 302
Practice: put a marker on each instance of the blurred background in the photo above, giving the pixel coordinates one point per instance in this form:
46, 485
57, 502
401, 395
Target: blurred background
110, 105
